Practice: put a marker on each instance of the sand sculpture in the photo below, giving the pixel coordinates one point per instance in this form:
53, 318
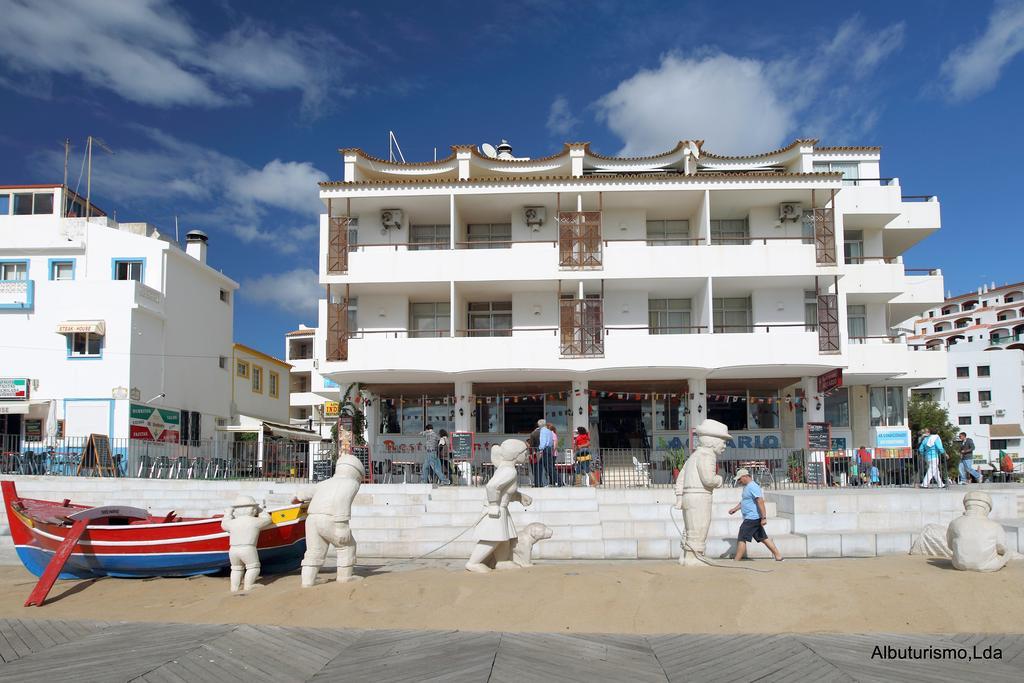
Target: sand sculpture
972, 541
243, 521
496, 534
522, 553
694, 487
327, 523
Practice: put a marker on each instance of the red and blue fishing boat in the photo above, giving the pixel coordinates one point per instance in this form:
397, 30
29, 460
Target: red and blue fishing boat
128, 542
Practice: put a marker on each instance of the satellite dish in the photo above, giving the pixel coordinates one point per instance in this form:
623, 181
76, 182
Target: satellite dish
488, 150
692, 146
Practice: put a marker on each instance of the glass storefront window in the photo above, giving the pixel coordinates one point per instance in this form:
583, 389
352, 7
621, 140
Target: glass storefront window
556, 412
668, 416
730, 411
412, 414
389, 423
489, 416
886, 406
439, 414
837, 408
521, 416
763, 415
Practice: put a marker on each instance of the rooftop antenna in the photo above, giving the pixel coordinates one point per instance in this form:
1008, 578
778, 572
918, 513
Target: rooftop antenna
88, 176
67, 153
176, 230
393, 146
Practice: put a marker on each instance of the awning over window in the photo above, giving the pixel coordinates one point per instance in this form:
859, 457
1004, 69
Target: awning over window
97, 327
294, 433
1005, 431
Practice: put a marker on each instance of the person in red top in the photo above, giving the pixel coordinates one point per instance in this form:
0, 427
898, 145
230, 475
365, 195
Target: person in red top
864, 459
581, 444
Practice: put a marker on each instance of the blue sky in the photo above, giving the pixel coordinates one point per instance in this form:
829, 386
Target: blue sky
226, 114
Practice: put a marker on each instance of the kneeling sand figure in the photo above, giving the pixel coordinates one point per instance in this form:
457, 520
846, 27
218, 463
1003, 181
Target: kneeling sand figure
495, 533
522, 554
243, 521
694, 487
327, 522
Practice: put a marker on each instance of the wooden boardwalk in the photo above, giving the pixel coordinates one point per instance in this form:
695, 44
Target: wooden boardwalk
48, 650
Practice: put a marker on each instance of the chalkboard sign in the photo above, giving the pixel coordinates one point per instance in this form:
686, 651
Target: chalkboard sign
816, 473
322, 469
819, 436
97, 456
363, 453
462, 445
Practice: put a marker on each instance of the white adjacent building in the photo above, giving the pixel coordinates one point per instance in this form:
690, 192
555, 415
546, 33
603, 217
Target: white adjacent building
111, 326
983, 388
631, 296
314, 399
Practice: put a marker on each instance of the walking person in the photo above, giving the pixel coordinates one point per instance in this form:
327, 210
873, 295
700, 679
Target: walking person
536, 467
581, 445
431, 462
444, 454
546, 446
554, 456
966, 445
931, 448
755, 517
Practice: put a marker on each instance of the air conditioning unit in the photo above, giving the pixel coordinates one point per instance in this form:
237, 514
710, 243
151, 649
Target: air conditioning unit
984, 404
534, 216
790, 211
1000, 413
391, 219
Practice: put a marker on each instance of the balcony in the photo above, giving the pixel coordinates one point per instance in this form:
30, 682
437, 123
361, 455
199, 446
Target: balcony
149, 298
17, 295
885, 358
579, 240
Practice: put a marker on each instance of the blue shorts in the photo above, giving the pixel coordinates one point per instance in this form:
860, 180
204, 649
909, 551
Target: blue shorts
751, 530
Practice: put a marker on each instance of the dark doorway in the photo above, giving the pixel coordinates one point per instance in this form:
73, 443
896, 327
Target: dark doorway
621, 424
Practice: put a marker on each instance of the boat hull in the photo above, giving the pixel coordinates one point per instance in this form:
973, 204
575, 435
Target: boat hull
146, 548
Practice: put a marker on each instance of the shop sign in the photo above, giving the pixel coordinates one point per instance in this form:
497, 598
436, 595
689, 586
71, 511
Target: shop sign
148, 423
33, 430
755, 440
827, 381
819, 436
892, 437
331, 408
14, 389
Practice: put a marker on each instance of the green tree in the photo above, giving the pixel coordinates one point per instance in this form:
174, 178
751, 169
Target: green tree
924, 412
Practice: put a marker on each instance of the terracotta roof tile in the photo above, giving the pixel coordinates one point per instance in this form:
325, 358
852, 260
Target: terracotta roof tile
760, 175
795, 143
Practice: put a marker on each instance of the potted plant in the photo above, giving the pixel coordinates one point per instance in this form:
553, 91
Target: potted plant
796, 470
674, 460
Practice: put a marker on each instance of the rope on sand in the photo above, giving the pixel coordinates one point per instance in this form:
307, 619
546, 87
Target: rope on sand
702, 557
448, 542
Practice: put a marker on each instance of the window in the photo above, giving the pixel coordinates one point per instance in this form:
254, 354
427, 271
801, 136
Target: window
924, 330
983, 371
490, 319
963, 322
429, 319
931, 314
963, 397
521, 416
731, 231
764, 409
424, 237
257, 379
837, 408
963, 372
984, 395
886, 406
352, 308
857, 321
85, 345
62, 270
998, 444
489, 416
14, 270
489, 235
668, 232
128, 269
985, 419
222, 362
225, 296
242, 369
731, 410
853, 246
5, 204
964, 420
849, 169
28, 203
275, 383
668, 316
440, 414
556, 411
810, 310
667, 415
732, 314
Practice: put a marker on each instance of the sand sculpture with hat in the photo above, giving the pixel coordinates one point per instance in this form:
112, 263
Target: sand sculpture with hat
495, 533
243, 521
327, 521
972, 541
694, 487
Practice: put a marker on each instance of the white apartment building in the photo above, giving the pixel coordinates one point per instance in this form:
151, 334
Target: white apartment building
983, 389
631, 296
111, 326
314, 398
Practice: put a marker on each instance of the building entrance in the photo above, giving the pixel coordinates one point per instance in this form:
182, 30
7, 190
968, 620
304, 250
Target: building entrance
621, 423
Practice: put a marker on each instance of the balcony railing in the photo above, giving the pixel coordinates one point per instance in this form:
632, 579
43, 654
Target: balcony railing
579, 240
877, 339
824, 236
669, 329
582, 332
922, 271
855, 182
861, 260
17, 294
337, 331
767, 327
337, 245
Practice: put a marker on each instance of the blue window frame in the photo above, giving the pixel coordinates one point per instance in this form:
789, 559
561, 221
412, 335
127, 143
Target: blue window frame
85, 346
17, 291
128, 269
61, 268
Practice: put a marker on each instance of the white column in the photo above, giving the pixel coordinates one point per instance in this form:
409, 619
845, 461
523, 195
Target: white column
580, 405
463, 422
814, 403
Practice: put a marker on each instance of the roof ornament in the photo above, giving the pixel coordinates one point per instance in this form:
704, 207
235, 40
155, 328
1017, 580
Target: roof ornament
691, 152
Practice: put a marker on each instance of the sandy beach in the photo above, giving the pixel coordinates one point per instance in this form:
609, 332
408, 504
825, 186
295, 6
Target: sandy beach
889, 594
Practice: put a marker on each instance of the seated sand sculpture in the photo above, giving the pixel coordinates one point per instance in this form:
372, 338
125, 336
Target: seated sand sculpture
496, 534
522, 554
932, 542
243, 521
694, 487
327, 521
977, 543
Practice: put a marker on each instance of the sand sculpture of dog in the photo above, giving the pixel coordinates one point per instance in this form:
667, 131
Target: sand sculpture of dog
523, 551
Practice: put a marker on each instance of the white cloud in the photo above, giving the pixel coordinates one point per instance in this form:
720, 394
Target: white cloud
209, 189
975, 67
561, 122
294, 291
748, 105
148, 52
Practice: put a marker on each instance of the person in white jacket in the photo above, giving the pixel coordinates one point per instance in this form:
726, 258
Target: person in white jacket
932, 449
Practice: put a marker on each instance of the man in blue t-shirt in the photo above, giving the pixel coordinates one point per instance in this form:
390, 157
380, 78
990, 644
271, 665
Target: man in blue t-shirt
755, 517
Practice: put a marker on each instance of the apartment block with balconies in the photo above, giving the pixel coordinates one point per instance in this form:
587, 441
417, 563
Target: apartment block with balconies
633, 297
314, 399
106, 321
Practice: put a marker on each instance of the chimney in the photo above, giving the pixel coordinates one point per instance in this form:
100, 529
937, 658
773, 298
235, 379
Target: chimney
195, 244
505, 150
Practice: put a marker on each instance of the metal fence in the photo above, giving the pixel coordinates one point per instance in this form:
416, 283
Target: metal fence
207, 459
